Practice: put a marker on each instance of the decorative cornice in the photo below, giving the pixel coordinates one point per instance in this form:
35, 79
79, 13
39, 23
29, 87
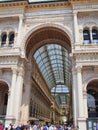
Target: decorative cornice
40, 6
12, 4
53, 5
75, 4
79, 5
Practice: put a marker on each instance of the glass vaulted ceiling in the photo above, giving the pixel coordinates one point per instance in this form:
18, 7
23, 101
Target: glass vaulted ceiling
54, 63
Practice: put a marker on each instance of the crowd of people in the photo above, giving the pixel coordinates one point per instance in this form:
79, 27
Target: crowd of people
37, 126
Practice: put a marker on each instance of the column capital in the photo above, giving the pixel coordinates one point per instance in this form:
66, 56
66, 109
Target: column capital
14, 70
21, 17
75, 12
79, 68
21, 71
74, 70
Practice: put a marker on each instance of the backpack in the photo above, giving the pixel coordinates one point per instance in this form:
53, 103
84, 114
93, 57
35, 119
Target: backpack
45, 128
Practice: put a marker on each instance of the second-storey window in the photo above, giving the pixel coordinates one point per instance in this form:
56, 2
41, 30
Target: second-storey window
11, 40
3, 40
86, 36
95, 36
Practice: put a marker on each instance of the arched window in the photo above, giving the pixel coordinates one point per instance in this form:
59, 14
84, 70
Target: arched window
86, 36
95, 36
3, 40
92, 103
11, 40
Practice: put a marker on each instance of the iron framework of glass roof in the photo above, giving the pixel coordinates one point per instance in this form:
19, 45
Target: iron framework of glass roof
54, 63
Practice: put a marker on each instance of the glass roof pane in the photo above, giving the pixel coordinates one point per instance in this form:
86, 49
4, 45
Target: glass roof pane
54, 63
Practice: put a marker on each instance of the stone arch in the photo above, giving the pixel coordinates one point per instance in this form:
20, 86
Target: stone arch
4, 92
33, 29
88, 80
59, 30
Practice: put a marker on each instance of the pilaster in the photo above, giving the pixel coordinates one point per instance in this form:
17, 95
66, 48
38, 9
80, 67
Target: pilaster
74, 94
10, 117
76, 31
80, 92
18, 94
19, 29
85, 104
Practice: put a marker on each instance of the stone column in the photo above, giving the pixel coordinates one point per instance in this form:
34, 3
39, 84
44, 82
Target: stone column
7, 39
76, 32
80, 92
74, 94
26, 95
81, 117
15, 38
91, 38
18, 95
54, 114
85, 104
10, 106
14, 77
19, 29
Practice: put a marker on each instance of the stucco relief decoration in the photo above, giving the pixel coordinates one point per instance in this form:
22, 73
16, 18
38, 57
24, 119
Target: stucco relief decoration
53, 17
87, 71
84, 19
7, 29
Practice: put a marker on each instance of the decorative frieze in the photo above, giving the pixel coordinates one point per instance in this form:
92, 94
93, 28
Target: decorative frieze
8, 61
86, 57
14, 12
83, 7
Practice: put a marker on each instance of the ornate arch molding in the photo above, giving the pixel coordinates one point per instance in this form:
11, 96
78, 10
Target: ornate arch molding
88, 80
44, 43
90, 25
65, 31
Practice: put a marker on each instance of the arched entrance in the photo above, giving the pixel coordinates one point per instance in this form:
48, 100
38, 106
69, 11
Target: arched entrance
92, 99
50, 47
92, 103
3, 99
